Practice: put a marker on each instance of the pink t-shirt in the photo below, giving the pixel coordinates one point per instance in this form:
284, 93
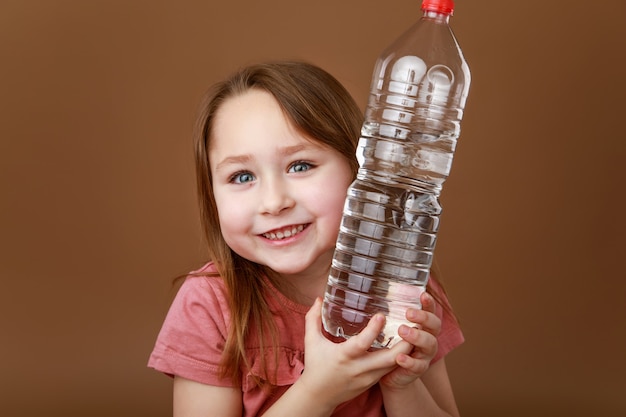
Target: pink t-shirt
194, 333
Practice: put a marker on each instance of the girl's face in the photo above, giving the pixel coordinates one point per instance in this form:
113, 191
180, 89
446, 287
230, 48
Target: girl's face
279, 195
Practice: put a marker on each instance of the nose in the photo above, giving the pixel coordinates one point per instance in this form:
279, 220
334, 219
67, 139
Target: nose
275, 197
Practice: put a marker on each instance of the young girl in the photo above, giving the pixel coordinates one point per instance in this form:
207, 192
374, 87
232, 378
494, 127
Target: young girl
275, 154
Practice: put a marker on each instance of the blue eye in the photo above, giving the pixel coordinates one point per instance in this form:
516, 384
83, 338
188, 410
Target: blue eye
241, 177
300, 166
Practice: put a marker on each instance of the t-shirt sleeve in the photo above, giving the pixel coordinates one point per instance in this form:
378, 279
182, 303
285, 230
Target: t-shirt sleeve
451, 335
193, 335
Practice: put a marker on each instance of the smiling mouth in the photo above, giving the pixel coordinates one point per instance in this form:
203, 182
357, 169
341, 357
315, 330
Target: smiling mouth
285, 232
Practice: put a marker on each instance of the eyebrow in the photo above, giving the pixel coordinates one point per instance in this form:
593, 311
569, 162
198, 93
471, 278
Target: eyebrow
242, 159
239, 159
290, 150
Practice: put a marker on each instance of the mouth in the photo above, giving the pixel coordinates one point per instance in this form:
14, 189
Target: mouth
284, 232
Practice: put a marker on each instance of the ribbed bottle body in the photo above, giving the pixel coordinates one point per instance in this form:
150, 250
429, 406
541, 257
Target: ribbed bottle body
391, 216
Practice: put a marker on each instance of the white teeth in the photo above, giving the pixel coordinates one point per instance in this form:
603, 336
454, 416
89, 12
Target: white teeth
284, 233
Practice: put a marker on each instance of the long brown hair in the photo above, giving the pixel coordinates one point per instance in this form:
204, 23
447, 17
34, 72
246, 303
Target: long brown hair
320, 108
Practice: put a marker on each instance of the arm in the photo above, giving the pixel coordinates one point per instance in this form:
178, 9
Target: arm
193, 399
415, 388
430, 395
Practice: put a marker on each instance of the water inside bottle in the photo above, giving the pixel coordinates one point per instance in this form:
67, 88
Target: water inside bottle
382, 258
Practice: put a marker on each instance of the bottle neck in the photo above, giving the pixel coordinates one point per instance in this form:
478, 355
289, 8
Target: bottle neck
436, 16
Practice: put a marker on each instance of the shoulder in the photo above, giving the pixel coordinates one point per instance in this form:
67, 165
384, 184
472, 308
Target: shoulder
204, 285
194, 333
202, 297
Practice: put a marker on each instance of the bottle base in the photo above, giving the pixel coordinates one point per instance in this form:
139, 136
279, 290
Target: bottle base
341, 322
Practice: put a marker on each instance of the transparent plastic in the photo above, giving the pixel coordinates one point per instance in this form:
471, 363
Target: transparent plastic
390, 221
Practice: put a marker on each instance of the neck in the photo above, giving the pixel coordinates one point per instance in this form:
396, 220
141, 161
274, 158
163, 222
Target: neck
303, 288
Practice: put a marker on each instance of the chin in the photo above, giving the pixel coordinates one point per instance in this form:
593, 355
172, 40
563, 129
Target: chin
296, 266
303, 266
288, 270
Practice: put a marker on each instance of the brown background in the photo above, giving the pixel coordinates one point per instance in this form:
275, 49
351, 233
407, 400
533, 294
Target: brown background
98, 210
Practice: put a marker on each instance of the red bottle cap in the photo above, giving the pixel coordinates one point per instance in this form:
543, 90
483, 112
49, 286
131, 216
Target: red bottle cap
440, 6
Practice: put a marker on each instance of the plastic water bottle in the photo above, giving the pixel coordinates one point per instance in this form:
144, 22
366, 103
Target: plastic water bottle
391, 216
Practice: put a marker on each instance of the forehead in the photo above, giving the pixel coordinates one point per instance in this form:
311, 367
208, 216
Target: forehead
255, 122
248, 112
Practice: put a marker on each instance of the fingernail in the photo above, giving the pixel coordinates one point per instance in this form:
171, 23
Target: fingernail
403, 331
414, 314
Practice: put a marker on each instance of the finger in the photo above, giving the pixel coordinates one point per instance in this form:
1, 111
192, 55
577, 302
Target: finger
402, 346
360, 347
428, 302
413, 365
424, 343
313, 320
424, 320
364, 340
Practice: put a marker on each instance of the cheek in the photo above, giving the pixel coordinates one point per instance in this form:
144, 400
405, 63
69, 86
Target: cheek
232, 229
230, 212
332, 198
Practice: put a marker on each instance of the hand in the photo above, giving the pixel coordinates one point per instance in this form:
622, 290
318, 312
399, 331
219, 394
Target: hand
422, 339
337, 372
